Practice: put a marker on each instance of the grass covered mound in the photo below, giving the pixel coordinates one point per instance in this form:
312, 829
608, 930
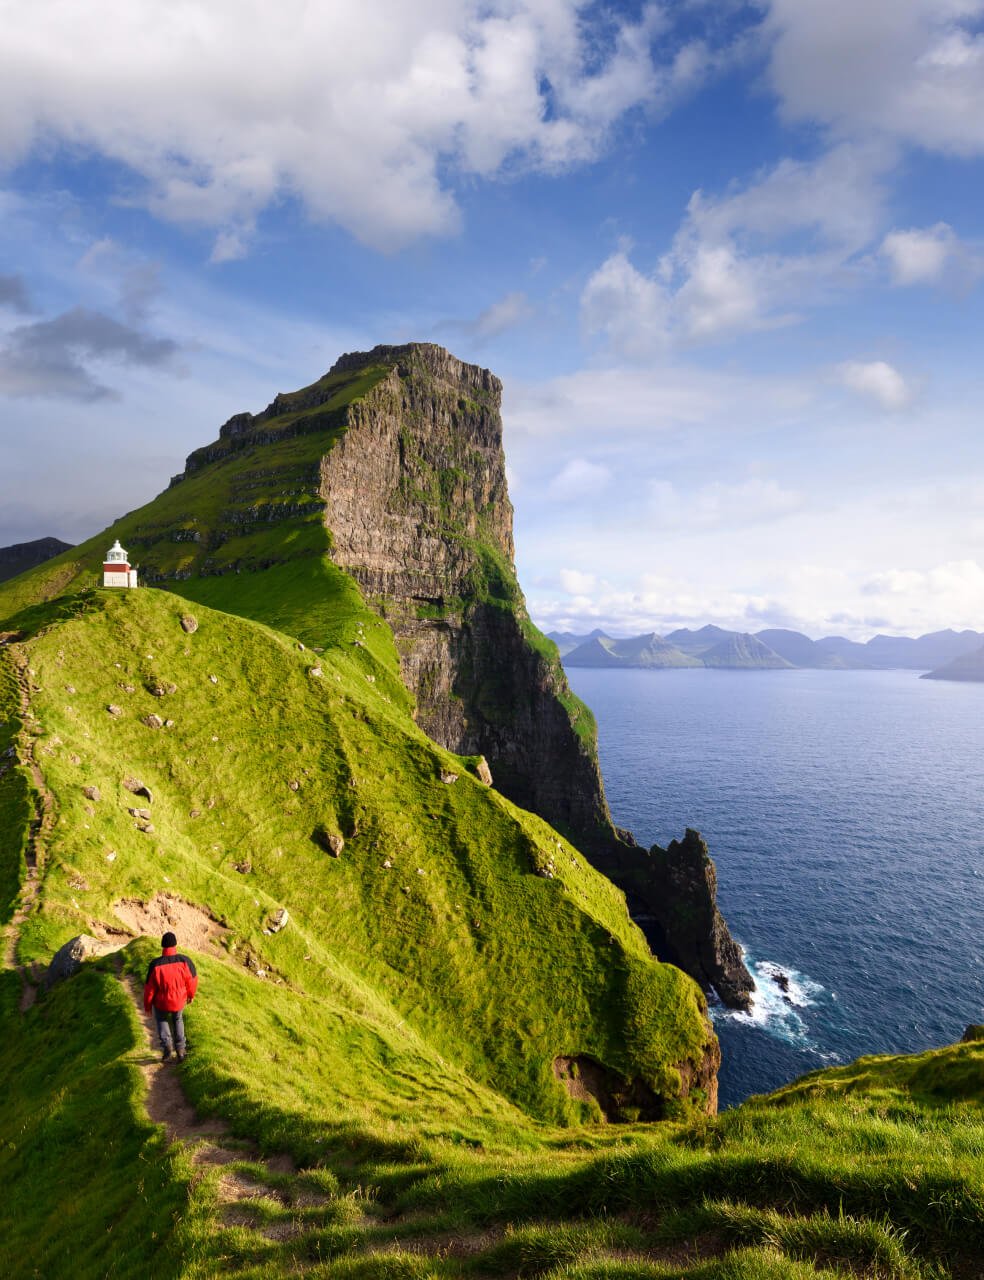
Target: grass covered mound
266, 759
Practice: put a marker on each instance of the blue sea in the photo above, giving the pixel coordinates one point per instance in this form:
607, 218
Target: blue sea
845, 813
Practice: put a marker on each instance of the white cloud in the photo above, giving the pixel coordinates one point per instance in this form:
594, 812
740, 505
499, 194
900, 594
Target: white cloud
919, 256
747, 260
500, 316
576, 583
877, 380
365, 110
958, 586
906, 69
720, 505
579, 479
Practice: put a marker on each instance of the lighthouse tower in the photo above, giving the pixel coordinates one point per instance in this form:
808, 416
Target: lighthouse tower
116, 568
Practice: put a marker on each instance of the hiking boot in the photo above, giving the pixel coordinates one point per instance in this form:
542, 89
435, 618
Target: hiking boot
181, 1055
165, 1055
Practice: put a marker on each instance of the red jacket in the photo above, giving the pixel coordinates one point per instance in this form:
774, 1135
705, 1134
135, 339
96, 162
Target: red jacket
171, 982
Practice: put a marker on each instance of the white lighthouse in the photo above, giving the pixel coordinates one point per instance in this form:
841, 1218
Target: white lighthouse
116, 568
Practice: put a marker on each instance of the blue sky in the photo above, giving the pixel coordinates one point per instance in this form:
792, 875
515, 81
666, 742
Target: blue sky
727, 259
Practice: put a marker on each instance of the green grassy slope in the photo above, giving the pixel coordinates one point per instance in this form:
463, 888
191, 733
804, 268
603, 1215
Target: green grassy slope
400, 1042
264, 758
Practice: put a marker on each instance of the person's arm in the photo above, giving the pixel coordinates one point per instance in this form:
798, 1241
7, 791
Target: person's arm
191, 978
149, 987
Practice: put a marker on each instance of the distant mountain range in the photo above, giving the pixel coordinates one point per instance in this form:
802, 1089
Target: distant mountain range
942, 655
26, 555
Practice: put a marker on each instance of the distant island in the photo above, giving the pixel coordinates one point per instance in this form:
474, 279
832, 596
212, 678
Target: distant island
27, 555
941, 655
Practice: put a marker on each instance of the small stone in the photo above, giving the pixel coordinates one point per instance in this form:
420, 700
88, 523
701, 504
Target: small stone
92, 793
405, 888
261, 973
160, 688
244, 867
195, 813
421, 871
483, 772
70, 688
387, 864
114, 710
213, 679
76, 760
189, 623
316, 671
278, 920
168, 724
300, 646
140, 813
294, 785
127, 688
335, 845
138, 788
146, 827
448, 777
152, 721
111, 856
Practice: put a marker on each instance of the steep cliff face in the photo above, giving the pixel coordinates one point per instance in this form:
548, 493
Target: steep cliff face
416, 501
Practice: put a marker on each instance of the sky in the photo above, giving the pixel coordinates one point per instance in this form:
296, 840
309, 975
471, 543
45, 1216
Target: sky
727, 258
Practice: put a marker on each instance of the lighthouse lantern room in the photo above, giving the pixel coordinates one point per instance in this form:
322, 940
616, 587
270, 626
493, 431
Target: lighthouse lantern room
116, 568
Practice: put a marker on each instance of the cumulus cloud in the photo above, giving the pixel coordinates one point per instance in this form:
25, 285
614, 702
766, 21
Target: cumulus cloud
365, 110
877, 380
579, 479
577, 583
748, 259
906, 69
919, 255
54, 357
720, 505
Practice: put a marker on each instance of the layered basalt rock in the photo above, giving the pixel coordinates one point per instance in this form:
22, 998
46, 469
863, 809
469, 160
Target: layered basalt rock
418, 508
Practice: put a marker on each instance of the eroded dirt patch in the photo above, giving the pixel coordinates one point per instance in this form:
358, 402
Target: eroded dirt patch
194, 926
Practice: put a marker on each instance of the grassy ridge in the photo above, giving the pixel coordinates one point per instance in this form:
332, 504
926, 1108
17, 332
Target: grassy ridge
263, 756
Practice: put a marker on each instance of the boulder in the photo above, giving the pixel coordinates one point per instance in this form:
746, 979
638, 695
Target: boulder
483, 772
140, 813
92, 793
137, 788
448, 777
153, 721
160, 688
114, 710
329, 840
278, 920
189, 623
68, 959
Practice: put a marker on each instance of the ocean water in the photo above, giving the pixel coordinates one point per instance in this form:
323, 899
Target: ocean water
845, 814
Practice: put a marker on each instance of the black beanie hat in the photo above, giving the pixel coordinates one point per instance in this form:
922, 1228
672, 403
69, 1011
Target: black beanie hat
169, 940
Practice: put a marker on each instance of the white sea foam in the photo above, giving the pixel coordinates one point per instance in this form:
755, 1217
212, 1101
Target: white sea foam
781, 994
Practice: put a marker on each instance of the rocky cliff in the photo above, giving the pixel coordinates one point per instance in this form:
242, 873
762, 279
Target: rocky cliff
416, 500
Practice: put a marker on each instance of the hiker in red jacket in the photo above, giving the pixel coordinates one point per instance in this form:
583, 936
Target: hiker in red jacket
171, 983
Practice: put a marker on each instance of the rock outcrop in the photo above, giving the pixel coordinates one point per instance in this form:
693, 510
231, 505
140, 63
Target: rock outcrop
676, 897
416, 501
